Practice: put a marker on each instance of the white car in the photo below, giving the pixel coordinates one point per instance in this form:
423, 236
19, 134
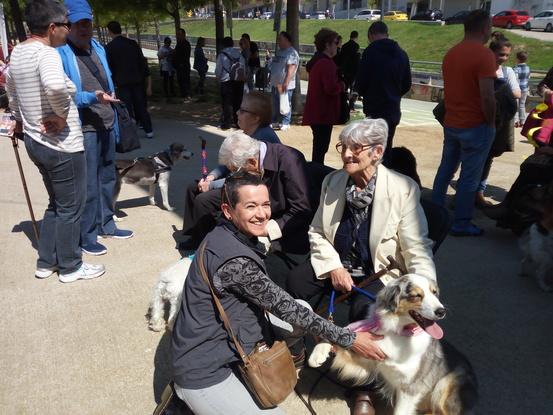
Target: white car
267, 16
543, 20
318, 16
368, 14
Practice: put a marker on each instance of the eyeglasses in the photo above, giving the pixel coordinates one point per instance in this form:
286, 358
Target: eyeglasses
356, 149
67, 25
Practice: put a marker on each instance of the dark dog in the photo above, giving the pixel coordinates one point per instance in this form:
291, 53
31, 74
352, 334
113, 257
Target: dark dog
403, 161
153, 170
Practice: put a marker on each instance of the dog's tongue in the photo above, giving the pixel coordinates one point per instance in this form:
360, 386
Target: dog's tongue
434, 330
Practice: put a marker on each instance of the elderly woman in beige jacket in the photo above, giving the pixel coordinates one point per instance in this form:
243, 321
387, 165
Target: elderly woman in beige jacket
366, 213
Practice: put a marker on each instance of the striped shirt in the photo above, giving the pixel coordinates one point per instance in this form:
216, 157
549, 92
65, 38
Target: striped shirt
37, 87
522, 71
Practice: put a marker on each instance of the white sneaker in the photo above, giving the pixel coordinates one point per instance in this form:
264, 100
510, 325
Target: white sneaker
85, 272
150, 135
284, 127
45, 272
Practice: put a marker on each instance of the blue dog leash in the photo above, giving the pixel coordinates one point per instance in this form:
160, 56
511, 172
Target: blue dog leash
367, 294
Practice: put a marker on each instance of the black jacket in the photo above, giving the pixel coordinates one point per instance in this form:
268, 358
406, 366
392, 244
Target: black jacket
349, 59
384, 76
126, 61
181, 54
284, 173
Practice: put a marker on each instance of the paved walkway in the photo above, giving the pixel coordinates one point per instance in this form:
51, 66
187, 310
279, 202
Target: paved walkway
534, 34
84, 348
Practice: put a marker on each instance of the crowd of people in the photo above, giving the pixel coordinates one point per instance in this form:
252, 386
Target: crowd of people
273, 228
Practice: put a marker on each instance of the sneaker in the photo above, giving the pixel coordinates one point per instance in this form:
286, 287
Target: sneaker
120, 234
94, 249
45, 272
150, 135
275, 126
85, 272
284, 127
468, 230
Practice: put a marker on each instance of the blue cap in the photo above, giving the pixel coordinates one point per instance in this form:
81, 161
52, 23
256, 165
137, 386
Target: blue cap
78, 10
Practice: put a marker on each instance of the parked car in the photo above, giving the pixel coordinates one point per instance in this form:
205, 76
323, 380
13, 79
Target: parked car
319, 16
267, 15
368, 14
305, 15
395, 15
543, 20
510, 18
429, 15
457, 18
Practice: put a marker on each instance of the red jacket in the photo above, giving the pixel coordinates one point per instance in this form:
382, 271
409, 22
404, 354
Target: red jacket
322, 105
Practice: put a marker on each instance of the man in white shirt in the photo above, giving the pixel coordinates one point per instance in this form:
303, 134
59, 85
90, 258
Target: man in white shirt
283, 67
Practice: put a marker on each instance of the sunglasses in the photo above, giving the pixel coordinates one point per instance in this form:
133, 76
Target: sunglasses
67, 25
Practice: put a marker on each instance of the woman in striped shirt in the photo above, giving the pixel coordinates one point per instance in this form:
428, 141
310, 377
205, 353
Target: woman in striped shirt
41, 100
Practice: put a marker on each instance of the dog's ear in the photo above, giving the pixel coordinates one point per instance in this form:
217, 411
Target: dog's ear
389, 297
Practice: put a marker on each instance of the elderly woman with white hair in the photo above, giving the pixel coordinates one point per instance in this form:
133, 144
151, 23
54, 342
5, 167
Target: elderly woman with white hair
283, 171
366, 212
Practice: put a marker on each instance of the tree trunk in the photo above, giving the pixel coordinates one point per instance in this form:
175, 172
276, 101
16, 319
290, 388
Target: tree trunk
18, 20
293, 28
158, 40
176, 14
137, 31
219, 24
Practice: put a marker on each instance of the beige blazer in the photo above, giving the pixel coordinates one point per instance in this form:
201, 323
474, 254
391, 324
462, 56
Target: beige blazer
398, 225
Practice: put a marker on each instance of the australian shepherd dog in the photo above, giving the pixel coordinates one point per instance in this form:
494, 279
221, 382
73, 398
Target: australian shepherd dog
421, 372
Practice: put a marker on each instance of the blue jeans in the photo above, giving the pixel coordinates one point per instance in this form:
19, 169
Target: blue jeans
64, 175
286, 118
100, 183
469, 147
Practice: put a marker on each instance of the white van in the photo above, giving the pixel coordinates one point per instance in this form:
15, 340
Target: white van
368, 14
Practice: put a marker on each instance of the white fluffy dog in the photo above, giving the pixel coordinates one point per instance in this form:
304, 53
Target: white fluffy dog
168, 290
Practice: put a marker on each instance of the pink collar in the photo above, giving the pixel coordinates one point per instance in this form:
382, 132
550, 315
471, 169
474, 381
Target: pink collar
374, 324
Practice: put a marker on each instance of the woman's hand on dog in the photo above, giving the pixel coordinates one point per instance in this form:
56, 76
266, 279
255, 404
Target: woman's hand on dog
365, 345
341, 280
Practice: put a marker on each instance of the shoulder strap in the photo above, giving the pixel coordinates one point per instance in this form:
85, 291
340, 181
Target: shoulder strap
220, 308
95, 71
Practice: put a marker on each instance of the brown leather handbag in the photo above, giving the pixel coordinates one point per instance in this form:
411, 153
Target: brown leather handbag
268, 372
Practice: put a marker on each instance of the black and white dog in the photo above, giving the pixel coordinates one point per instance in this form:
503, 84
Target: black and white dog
153, 170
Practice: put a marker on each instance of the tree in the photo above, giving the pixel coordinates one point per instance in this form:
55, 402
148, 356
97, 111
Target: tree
14, 12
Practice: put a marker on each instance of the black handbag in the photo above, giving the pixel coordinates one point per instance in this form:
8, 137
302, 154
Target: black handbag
344, 108
128, 136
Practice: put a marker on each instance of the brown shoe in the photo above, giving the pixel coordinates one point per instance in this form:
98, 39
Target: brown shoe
480, 201
363, 403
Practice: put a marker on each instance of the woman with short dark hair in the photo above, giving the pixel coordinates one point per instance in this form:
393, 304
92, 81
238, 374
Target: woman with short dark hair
204, 358
322, 106
42, 101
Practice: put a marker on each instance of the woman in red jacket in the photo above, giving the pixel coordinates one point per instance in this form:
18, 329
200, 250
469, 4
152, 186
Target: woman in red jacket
322, 107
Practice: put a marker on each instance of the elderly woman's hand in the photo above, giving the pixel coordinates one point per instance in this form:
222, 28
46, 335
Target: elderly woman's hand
203, 184
341, 280
365, 346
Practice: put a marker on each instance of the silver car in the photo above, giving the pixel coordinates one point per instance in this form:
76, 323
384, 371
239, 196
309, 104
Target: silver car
368, 14
542, 20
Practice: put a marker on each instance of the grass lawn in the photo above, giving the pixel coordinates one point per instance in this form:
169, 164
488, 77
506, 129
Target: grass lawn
421, 42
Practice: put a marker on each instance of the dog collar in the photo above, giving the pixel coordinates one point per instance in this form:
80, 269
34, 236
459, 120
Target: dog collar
374, 324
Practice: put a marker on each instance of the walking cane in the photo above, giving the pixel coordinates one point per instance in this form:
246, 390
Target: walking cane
15, 145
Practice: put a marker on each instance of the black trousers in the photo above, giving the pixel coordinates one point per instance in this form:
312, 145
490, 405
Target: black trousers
321, 141
303, 284
201, 82
200, 211
168, 83
183, 78
134, 97
231, 99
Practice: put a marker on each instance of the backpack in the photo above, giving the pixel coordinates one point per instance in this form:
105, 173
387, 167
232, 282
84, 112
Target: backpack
237, 71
